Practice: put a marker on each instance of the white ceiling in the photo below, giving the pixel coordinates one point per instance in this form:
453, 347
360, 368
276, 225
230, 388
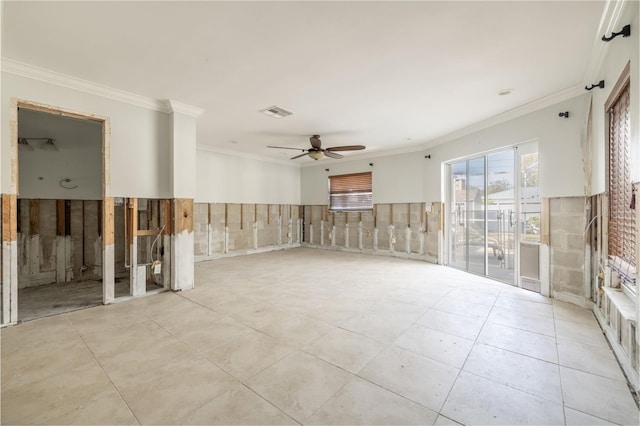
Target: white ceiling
383, 74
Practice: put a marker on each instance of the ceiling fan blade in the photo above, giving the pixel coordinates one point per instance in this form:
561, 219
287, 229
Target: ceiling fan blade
332, 154
315, 141
285, 147
346, 148
298, 156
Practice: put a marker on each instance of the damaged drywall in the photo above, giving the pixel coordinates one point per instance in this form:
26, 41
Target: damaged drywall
228, 229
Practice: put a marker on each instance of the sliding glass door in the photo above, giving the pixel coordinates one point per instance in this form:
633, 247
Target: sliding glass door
492, 205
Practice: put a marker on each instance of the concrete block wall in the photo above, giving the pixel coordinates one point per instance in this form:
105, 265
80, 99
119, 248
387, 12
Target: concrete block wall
399, 229
226, 229
567, 222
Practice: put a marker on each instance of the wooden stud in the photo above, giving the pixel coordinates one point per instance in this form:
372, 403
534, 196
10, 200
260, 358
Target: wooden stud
147, 232
34, 217
391, 214
208, 213
67, 217
544, 221
375, 215
268, 213
60, 230
166, 213
183, 209
107, 221
9, 218
255, 213
226, 215
241, 216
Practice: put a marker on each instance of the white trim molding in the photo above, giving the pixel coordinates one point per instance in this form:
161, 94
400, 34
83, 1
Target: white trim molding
22, 69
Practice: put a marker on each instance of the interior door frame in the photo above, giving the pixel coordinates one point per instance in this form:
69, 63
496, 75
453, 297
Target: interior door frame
9, 299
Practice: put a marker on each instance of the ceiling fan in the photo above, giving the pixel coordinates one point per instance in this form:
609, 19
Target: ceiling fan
317, 152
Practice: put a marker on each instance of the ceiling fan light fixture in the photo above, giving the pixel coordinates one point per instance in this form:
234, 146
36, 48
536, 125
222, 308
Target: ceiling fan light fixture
316, 155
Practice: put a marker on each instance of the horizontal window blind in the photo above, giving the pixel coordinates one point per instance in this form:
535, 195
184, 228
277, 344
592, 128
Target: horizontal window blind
352, 192
622, 229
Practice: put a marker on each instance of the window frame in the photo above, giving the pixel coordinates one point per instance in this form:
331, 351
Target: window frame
620, 264
362, 189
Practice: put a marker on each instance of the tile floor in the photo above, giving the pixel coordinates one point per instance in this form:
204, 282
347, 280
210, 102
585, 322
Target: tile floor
318, 337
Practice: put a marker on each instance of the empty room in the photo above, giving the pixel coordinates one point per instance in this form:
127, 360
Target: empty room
378, 213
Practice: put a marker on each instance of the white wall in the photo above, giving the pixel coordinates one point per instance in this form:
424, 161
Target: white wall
410, 177
395, 178
225, 178
79, 157
618, 52
139, 157
560, 155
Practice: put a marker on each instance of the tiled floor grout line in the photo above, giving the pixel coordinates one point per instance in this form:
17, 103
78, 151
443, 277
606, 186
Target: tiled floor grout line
555, 329
104, 371
475, 342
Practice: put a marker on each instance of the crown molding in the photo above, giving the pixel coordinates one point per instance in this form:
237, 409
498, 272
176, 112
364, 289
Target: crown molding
520, 111
180, 108
609, 22
22, 69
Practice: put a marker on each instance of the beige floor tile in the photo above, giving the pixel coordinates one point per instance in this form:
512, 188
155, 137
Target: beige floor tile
345, 349
186, 318
297, 330
169, 394
415, 377
260, 316
238, 406
248, 355
520, 341
139, 361
474, 296
34, 335
21, 368
598, 396
578, 418
363, 403
591, 359
569, 331
522, 321
42, 400
443, 347
299, 384
447, 322
445, 421
568, 312
206, 337
527, 307
531, 375
105, 409
475, 400
385, 328
114, 341
462, 307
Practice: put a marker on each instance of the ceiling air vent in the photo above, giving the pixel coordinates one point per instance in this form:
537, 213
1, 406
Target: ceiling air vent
276, 112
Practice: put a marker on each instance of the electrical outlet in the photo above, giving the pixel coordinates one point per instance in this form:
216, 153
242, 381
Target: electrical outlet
393, 240
288, 234
330, 236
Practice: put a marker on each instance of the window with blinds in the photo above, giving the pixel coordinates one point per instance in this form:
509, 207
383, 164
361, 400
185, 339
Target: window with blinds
622, 228
351, 192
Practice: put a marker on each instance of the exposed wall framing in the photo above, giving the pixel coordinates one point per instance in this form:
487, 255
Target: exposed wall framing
227, 229
400, 229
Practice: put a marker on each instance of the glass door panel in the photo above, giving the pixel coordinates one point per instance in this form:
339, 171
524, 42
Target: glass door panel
458, 215
501, 215
476, 215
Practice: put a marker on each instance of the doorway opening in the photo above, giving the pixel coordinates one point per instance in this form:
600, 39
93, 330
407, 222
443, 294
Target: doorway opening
493, 214
59, 211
